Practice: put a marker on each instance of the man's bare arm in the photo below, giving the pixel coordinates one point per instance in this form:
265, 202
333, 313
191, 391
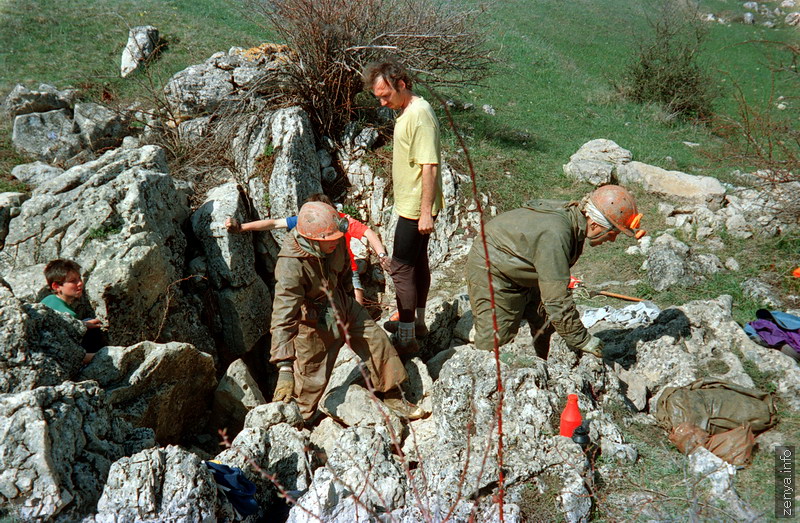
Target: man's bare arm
429, 174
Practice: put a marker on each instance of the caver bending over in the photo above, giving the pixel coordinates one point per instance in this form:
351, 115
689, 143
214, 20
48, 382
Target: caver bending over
306, 337
531, 250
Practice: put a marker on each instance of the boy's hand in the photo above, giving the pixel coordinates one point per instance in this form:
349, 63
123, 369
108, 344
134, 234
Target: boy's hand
233, 225
93, 323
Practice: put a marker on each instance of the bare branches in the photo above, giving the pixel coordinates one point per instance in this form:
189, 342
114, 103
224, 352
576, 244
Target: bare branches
335, 39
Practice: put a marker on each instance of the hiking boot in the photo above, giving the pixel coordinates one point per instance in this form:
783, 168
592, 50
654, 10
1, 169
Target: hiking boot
404, 409
409, 348
420, 331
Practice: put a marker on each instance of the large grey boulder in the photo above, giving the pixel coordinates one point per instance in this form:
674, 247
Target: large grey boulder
285, 140
142, 42
158, 484
58, 444
596, 162
361, 467
22, 100
236, 394
100, 126
673, 184
49, 137
166, 387
28, 283
244, 300
36, 173
120, 218
38, 346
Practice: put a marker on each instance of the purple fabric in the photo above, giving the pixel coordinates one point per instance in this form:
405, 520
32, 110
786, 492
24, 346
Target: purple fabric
774, 336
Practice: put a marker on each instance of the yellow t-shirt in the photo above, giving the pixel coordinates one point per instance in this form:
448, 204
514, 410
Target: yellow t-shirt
416, 142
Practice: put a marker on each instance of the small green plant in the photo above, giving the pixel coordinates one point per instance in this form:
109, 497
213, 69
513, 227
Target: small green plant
266, 200
269, 150
103, 232
352, 211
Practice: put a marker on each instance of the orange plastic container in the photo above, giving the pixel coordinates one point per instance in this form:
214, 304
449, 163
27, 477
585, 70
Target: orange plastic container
570, 417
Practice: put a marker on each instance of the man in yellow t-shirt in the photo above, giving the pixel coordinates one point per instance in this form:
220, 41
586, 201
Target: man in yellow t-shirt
417, 182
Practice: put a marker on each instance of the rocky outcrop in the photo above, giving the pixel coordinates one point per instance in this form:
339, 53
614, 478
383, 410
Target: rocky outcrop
167, 388
226, 78
38, 346
243, 299
276, 157
158, 484
236, 394
58, 444
120, 218
671, 262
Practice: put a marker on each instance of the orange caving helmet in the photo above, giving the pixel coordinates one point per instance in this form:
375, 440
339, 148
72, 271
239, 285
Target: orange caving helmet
320, 221
619, 208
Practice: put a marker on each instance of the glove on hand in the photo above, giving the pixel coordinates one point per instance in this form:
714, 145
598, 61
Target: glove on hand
285, 387
594, 347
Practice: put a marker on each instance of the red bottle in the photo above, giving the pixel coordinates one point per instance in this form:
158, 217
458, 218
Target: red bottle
570, 417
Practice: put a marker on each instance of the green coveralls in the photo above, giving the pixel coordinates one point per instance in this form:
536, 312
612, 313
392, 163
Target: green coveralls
531, 251
304, 329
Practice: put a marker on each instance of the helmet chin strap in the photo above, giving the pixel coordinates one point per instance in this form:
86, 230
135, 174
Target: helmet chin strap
600, 237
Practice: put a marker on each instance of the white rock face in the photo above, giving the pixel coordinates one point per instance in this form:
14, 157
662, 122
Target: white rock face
673, 184
596, 162
120, 218
158, 484
57, 446
142, 42
166, 387
22, 100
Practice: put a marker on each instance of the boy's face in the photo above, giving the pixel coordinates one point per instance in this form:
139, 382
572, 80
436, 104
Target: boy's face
71, 289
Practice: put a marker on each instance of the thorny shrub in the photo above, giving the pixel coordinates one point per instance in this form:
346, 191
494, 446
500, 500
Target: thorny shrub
667, 69
437, 40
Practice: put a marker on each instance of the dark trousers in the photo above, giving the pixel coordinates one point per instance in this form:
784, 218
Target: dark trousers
409, 270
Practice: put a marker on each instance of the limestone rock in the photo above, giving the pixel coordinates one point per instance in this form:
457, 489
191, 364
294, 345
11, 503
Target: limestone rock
99, 126
38, 346
596, 162
236, 394
360, 449
674, 184
49, 137
164, 387
759, 291
22, 100
225, 78
265, 416
142, 42
58, 444
120, 218
36, 173
158, 484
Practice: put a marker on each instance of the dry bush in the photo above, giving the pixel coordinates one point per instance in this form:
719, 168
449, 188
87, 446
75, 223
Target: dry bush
437, 40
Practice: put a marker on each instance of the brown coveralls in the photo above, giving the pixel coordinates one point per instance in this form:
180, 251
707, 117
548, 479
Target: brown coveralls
303, 328
531, 251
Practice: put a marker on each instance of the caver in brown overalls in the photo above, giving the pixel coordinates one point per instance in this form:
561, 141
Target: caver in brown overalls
304, 329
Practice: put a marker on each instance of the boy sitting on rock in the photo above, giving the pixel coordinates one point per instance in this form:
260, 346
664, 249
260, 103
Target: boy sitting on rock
64, 279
